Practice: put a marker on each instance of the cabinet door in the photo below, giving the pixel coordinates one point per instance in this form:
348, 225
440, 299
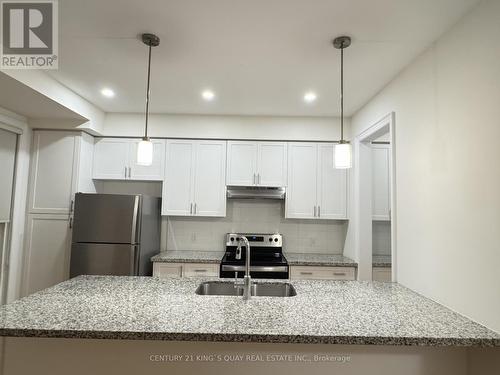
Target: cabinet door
153, 172
302, 172
332, 186
111, 157
210, 181
167, 270
47, 251
177, 196
52, 180
8, 142
380, 182
271, 164
241, 163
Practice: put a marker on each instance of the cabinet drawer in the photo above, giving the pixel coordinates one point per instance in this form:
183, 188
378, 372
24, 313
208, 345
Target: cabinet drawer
200, 269
164, 270
383, 274
322, 273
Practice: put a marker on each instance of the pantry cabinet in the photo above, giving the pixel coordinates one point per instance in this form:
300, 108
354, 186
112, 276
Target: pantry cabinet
315, 189
256, 163
195, 183
381, 187
115, 159
61, 165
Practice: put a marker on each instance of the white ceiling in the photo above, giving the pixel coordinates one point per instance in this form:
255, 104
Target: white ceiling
259, 56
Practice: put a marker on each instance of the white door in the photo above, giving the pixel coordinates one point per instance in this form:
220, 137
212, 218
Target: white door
8, 142
241, 163
380, 182
155, 171
272, 164
301, 189
52, 180
47, 251
111, 157
177, 196
332, 185
210, 180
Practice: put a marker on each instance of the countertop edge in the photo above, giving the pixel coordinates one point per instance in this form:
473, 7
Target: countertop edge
254, 338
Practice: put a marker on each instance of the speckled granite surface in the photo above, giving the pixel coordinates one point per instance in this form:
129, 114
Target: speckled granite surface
146, 308
299, 259
381, 261
189, 256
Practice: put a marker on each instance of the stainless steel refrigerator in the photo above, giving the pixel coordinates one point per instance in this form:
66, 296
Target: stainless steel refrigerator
114, 234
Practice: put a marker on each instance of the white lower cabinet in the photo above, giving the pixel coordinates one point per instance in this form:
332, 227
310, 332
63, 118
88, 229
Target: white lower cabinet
383, 274
167, 270
48, 240
195, 178
322, 273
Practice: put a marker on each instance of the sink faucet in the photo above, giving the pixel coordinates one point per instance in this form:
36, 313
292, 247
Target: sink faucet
247, 280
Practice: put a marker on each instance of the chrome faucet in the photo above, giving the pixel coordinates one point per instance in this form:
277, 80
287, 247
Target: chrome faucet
247, 280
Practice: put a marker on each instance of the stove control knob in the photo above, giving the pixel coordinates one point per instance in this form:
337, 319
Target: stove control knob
232, 239
276, 240
237, 238
270, 239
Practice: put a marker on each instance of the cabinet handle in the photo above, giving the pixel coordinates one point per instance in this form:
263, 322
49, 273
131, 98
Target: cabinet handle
314, 211
125, 172
306, 273
319, 211
191, 209
71, 222
254, 179
339, 273
71, 206
195, 208
200, 271
129, 172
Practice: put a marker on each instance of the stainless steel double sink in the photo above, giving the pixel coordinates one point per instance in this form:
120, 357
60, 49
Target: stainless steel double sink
222, 288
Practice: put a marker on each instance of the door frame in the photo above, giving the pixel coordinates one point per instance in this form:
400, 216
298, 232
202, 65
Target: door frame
363, 195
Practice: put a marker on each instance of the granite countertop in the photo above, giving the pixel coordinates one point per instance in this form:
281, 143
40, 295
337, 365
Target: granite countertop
148, 308
302, 259
381, 261
185, 256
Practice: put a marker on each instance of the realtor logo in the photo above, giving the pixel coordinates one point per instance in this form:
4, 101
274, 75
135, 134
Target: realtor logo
29, 35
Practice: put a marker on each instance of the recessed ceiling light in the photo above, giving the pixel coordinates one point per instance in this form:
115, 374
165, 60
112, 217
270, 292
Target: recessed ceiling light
208, 95
108, 93
310, 97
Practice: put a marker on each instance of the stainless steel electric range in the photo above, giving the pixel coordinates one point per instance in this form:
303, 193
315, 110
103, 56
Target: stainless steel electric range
266, 257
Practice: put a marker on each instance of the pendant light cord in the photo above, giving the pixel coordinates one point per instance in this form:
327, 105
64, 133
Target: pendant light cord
342, 94
147, 94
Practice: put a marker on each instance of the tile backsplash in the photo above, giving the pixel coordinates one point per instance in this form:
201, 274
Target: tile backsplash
260, 216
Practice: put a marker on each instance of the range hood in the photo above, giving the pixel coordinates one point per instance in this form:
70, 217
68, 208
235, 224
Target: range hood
255, 192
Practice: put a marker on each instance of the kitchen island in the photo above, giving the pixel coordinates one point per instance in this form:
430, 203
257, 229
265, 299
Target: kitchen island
336, 316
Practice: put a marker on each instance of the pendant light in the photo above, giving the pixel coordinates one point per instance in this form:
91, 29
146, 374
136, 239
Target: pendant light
343, 151
145, 147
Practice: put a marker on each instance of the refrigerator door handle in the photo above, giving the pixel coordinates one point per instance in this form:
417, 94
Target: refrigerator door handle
133, 238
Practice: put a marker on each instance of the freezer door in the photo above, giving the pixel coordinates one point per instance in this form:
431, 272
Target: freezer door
107, 218
104, 259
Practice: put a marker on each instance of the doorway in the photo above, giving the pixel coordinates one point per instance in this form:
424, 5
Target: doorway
375, 201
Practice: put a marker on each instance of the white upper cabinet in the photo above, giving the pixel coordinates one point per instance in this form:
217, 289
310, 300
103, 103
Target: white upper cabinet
241, 163
332, 185
381, 193
302, 176
115, 159
54, 171
210, 179
194, 182
8, 142
256, 163
315, 189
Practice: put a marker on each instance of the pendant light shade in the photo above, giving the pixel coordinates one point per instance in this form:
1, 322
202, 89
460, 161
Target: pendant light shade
145, 146
342, 155
145, 152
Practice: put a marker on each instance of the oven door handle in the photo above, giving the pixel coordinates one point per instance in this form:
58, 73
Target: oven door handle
226, 267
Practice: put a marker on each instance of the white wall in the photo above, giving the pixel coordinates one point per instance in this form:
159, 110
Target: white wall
448, 181
225, 127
